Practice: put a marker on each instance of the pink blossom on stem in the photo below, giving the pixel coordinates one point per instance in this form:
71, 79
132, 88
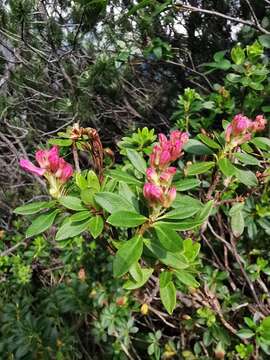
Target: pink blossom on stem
30, 167
170, 197
259, 123
42, 158
167, 175
152, 193
240, 124
228, 133
53, 158
241, 128
64, 171
164, 159
152, 175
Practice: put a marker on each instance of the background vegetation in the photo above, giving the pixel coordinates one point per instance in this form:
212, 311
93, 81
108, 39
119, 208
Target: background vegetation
116, 66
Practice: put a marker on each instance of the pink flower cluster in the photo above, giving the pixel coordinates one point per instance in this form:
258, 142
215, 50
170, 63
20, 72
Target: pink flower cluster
50, 163
241, 128
157, 190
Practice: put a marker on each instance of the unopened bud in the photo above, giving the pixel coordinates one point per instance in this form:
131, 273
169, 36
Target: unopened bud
219, 352
144, 309
121, 301
186, 317
81, 274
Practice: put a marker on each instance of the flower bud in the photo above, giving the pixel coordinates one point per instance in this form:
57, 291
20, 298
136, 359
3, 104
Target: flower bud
162, 139
176, 150
167, 175
165, 158
240, 124
259, 123
169, 198
152, 193
144, 309
152, 175
228, 133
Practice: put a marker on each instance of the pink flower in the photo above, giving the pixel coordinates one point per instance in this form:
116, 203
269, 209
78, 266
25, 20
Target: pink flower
259, 123
53, 158
48, 159
167, 175
152, 175
42, 158
64, 171
170, 197
30, 167
228, 133
176, 150
154, 157
152, 193
240, 124
162, 139
177, 135
165, 158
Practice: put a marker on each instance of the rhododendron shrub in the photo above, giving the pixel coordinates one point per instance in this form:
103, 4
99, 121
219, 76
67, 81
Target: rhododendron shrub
152, 201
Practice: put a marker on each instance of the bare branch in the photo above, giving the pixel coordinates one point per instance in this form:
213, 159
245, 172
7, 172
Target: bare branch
182, 7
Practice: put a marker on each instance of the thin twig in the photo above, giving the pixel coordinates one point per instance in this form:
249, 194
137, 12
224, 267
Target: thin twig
180, 6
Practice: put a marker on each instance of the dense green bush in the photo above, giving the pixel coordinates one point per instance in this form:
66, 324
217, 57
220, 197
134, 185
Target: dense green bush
101, 258
140, 257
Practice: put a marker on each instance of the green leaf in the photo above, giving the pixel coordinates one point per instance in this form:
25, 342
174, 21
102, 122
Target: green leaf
247, 159
93, 180
164, 278
238, 55
208, 141
237, 223
113, 202
126, 219
187, 279
261, 142
72, 203
82, 215
168, 297
226, 167
191, 249
41, 223
205, 211
34, 207
236, 208
136, 160
245, 333
199, 167
87, 196
196, 147
136, 272
60, 142
70, 229
180, 213
265, 40
185, 201
186, 184
96, 225
168, 258
168, 237
246, 177
233, 78
129, 253
81, 181
124, 176
132, 285
183, 225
